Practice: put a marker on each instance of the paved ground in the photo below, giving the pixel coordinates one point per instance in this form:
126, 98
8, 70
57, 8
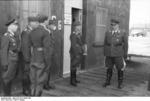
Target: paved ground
136, 81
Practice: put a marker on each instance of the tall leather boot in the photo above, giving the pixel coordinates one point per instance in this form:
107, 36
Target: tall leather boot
26, 87
7, 88
33, 91
73, 78
77, 81
108, 78
120, 79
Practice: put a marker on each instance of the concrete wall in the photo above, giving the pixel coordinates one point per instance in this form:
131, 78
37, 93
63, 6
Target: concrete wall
115, 9
67, 31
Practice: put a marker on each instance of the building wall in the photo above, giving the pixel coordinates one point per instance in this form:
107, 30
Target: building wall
68, 5
96, 23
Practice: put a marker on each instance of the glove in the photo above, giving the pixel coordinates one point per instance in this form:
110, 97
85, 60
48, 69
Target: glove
125, 57
5, 68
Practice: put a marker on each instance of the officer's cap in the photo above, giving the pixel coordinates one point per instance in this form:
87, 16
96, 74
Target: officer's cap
77, 23
51, 22
11, 21
42, 18
114, 21
32, 19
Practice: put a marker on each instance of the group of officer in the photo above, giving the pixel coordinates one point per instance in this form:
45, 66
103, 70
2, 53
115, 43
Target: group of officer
35, 49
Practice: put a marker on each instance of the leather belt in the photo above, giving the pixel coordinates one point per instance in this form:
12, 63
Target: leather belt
114, 45
12, 52
39, 49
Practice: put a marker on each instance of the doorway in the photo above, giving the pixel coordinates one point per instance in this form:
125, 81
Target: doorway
77, 17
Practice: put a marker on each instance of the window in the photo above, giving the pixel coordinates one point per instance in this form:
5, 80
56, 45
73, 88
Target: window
101, 21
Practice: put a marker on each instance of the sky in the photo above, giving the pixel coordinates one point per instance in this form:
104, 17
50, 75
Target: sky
139, 12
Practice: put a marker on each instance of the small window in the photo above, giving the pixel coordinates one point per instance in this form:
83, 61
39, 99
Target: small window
101, 21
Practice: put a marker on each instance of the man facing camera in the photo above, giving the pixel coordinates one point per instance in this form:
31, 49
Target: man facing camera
115, 50
9, 55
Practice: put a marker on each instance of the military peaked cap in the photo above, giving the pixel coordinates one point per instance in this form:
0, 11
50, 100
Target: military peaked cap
42, 18
32, 18
115, 21
9, 22
51, 22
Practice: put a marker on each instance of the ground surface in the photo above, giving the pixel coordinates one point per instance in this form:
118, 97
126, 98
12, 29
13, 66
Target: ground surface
135, 82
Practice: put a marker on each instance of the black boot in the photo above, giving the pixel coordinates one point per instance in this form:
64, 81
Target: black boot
39, 93
108, 75
47, 87
33, 91
7, 89
77, 81
120, 79
73, 79
26, 87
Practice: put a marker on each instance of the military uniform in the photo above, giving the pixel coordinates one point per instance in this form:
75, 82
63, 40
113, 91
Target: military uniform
76, 52
40, 58
9, 58
115, 48
25, 54
48, 84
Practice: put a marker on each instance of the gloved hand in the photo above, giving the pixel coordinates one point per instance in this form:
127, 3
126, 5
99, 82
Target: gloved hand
5, 68
125, 57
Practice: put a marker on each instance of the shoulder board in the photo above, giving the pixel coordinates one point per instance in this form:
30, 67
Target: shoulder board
5, 34
25, 29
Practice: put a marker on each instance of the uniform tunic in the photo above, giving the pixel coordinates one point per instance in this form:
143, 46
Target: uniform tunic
9, 56
115, 48
40, 58
25, 56
76, 50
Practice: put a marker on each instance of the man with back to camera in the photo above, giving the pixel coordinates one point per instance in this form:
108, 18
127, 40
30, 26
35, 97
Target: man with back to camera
26, 55
40, 58
115, 50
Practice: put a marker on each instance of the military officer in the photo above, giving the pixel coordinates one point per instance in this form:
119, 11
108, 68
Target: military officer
51, 27
25, 52
76, 52
9, 55
41, 48
115, 49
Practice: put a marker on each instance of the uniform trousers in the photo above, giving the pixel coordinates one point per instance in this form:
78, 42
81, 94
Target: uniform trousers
38, 77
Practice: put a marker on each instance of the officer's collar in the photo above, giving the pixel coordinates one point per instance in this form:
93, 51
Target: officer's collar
11, 33
116, 31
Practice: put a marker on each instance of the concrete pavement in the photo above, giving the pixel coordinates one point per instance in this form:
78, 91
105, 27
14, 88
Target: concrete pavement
135, 82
